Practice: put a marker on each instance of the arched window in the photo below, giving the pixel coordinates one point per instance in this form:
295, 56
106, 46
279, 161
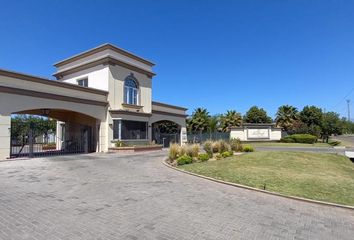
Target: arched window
130, 91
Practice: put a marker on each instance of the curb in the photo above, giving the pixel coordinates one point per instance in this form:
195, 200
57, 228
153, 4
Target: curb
262, 191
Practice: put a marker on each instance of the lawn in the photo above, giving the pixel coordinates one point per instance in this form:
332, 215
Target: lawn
319, 176
280, 144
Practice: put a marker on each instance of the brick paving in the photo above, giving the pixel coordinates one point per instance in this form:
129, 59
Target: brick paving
108, 196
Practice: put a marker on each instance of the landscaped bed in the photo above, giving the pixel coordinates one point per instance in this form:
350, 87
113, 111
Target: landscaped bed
324, 177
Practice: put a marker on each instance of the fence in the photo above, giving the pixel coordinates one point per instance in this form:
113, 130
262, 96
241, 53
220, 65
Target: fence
202, 137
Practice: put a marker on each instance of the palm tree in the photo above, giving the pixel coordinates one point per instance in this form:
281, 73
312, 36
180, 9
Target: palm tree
230, 119
199, 122
286, 117
214, 124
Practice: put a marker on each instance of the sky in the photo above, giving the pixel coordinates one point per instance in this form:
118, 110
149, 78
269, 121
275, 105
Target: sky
220, 55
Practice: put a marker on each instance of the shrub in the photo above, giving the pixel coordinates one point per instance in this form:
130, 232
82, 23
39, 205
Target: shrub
174, 151
203, 157
226, 154
185, 159
120, 144
223, 146
218, 156
208, 147
301, 138
248, 148
287, 139
334, 143
236, 145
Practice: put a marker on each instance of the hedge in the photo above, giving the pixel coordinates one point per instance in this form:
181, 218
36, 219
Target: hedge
300, 138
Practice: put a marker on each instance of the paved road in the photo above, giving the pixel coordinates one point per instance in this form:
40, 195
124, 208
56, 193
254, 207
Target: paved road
338, 150
106, 196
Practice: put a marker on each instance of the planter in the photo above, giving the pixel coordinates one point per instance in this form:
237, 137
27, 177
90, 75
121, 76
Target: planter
136, 148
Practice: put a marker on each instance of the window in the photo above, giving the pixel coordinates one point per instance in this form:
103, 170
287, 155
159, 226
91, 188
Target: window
129, 130
131, 91
83, 82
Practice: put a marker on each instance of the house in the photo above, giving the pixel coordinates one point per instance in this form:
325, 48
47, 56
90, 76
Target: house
100, 96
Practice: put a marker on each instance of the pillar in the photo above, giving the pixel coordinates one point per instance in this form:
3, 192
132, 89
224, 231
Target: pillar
183, 135
5, 136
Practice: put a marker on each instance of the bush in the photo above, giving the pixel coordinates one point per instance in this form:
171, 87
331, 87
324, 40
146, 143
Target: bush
218, 156
174, 151
120, 144
248, 148
208, 147
334, 143
203, 157
226, 154
301, 138
223, 146
185, 159
287, 139
236, 145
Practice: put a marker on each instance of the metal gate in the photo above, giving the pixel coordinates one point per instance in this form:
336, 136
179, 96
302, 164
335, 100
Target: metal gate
167, 138
29, 139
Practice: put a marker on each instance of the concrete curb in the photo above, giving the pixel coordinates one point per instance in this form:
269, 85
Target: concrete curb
260, 190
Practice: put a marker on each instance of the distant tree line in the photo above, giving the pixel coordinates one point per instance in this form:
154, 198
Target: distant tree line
310, 119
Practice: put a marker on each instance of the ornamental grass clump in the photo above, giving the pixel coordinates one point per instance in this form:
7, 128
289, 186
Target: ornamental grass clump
208, 147
223, 146
236, 145
174, 151
215, 146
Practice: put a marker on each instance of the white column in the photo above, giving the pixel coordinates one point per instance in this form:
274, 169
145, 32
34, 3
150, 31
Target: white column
5, 136
183, 135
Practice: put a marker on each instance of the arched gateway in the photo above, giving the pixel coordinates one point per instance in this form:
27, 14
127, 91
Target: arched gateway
92, 98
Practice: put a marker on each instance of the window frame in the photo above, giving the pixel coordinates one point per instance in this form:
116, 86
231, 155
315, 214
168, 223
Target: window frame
131, 94
83, 80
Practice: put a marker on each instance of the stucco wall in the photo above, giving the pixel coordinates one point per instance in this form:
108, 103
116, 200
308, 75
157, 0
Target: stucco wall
116, 88
272, 134
97, 77
5, 125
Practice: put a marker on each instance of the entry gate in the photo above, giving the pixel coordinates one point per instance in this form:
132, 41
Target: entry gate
37, 139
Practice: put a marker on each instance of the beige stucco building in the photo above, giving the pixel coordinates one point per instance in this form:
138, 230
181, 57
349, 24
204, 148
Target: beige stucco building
106, 90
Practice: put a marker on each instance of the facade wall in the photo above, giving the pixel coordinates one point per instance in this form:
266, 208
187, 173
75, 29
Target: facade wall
97, 77
116, 88
5, 125
58, 90
103, 54
266, 134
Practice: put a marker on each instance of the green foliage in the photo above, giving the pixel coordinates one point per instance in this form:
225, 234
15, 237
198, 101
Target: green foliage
21, 124
226, 154
286, 117
301, 138
203, 157
218, 156
120, 144
230, 119
331, 124
199, 121
334, 143
311, 115
257, 115
185, 159
208, 147
248, 148
236, 145
287, 139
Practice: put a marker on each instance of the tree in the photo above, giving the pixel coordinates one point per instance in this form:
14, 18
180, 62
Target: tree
199, 121
286, 117
230, 119
214, 123
311, 115
331, 124
257, 115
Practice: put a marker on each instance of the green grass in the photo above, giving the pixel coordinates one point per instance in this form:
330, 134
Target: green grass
280, 144
319, 176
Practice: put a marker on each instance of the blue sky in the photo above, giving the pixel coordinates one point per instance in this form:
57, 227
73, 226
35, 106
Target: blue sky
215, 54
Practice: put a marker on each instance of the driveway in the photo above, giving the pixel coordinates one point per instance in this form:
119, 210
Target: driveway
108, 196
